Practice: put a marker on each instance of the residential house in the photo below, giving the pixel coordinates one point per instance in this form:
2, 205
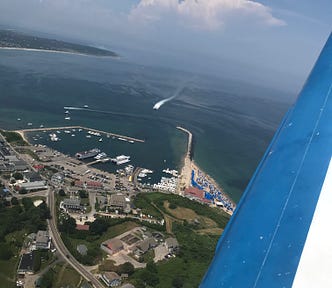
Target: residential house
112, 246
172, 245
145, 246
111, 279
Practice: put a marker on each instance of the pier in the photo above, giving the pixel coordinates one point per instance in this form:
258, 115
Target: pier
109, 134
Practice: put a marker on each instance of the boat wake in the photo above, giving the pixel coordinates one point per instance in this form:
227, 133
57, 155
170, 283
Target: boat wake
162, 102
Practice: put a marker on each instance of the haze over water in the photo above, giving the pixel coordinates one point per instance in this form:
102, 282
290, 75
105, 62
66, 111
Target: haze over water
232, 122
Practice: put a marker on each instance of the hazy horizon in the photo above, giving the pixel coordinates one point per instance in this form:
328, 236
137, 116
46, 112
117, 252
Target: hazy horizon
260, 42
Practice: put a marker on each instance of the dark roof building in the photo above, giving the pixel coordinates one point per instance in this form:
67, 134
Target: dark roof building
32, 176
26, 264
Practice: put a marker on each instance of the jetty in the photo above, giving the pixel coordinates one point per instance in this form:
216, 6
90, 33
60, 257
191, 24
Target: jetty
108, 134
190, 141
185, 175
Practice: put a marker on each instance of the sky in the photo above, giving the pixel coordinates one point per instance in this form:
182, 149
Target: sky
269, 42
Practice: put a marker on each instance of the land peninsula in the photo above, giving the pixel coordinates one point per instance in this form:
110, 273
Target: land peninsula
10, 39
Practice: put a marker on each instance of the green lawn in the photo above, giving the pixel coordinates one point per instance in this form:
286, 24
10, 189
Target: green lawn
8, 272
61, 275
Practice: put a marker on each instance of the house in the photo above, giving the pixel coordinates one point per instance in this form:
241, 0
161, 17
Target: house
26, 264
111, 279
42, 240
112, 246
172, 245
145, 246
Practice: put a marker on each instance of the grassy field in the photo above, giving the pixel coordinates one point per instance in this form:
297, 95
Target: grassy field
66, 276
61, 275
8, 272
14, 138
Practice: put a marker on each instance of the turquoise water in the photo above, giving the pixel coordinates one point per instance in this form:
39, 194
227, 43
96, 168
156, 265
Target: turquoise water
232, 123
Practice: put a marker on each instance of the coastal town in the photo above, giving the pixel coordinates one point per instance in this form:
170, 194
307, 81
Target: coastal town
80, 195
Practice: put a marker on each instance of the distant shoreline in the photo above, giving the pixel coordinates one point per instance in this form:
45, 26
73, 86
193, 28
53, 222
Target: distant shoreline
56, 51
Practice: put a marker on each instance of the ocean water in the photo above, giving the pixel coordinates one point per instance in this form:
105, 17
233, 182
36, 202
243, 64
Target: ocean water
232, 122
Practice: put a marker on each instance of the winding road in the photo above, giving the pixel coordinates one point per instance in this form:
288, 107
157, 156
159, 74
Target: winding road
62, 249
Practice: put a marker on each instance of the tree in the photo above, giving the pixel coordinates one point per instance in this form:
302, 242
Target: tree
44, 211
5, 251
23, 191
68, 225
14, 201
99, 226
18, 176
47, 280
172, 206
177, 282
62, 192
126, 268
36, 261
83, 194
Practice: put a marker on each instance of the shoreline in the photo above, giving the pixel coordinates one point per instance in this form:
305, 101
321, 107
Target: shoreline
55, 51
190, 165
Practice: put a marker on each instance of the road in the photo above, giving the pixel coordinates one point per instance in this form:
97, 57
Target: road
62, 249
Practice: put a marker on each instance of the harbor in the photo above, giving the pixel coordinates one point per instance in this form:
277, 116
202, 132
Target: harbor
190, 181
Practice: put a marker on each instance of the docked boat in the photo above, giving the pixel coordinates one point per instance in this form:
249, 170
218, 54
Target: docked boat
54, 137
87, 154
100, 156
122, 159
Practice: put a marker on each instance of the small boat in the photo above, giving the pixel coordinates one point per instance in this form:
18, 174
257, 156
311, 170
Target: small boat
29, 124
100, 140
67, 118
88, 136
18, 119
86, 106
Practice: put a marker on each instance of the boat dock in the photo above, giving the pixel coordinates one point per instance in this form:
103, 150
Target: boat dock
108, 134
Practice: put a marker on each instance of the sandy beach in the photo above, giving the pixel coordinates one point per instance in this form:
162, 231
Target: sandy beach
189, 165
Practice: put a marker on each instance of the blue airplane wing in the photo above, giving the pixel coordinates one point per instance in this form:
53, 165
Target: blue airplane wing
281, 232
